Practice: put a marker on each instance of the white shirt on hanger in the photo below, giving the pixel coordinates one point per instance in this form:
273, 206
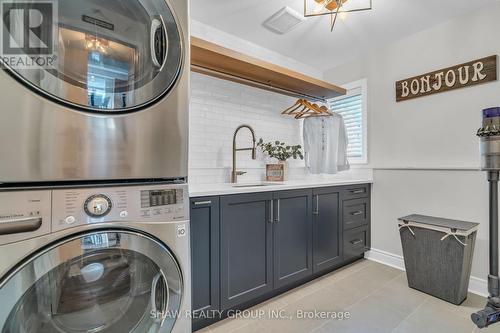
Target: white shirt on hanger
325, 144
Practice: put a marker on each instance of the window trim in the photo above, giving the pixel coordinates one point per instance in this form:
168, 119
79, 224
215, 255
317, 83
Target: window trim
353, 88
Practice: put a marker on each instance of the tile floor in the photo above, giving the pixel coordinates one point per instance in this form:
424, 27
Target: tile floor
377, 298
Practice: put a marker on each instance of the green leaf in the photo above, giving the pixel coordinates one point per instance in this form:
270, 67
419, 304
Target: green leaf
280, 150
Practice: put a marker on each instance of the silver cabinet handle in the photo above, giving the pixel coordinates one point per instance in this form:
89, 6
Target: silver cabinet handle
357, 191
271, 211
199, 203
359, 212
356, 241
316, 212
17, 226
278, 210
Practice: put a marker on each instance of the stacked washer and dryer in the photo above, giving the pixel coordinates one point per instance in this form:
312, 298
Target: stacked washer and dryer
94, 208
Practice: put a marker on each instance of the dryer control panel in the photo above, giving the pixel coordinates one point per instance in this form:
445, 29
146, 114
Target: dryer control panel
156, 203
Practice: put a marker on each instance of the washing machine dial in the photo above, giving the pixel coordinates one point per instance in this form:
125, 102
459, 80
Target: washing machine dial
97, 205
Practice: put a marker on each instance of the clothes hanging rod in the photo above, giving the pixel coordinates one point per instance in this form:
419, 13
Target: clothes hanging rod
256, 84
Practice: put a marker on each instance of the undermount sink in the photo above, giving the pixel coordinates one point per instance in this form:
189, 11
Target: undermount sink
257, 184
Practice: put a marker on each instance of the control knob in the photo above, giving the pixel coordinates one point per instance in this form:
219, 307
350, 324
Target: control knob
97, 205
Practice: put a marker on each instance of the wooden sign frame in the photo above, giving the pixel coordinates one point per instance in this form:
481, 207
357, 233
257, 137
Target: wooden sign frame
460, 76
275, 172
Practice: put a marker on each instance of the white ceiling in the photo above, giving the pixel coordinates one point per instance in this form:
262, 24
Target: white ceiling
312, 42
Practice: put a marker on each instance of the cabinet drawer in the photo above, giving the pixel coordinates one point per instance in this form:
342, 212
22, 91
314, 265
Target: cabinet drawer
356, 242
356, 213
356, 191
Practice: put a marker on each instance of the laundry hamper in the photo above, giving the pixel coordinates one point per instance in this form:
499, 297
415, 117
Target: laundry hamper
438, 255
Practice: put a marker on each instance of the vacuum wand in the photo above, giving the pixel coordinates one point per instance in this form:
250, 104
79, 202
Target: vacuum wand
493, 181
490, 160
491, 313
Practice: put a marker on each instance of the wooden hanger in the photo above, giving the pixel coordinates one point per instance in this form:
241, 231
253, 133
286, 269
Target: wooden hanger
314, 111
308, 107
304, 109
324, 113
293, 108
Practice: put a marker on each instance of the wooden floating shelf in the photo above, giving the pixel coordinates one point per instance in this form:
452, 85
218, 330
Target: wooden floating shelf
214, 60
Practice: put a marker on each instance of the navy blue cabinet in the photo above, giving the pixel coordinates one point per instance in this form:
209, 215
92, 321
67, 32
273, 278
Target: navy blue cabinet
249, 247
327, 229
205, 241
292, 236
356, 212
246, 248
356, 242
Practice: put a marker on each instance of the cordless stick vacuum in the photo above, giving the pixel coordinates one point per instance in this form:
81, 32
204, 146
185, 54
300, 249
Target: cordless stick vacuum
490, 161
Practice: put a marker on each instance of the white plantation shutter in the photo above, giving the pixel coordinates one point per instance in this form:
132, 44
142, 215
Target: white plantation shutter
351, 109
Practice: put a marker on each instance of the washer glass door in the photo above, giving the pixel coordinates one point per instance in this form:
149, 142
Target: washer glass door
114, 281
106, 56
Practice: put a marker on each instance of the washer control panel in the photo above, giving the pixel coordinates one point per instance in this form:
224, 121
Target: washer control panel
97, 205
155, 203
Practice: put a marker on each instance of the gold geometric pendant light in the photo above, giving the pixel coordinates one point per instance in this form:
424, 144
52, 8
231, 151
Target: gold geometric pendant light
334, 8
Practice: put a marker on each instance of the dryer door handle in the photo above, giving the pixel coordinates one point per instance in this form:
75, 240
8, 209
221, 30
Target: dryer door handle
17, 226
159, 42
159, 303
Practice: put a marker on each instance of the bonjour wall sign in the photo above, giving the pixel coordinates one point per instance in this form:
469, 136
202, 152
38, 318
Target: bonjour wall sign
460, 76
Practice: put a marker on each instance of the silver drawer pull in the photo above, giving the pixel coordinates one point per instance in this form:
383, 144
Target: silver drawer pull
356, 241
316, 212
18, 226
359, 212
278, 211
357, 191
199, 203
271, 211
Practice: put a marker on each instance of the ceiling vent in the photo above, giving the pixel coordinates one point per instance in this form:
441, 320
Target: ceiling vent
284, 21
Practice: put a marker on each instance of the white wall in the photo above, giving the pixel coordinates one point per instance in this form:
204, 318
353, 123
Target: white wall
214, 35
218, 107
434, 132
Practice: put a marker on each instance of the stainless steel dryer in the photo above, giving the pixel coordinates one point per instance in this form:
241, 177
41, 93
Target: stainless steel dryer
95, 260
113, 105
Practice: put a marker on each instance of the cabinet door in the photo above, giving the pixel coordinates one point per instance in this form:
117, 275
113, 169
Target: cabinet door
246, 248
204, 257
292, 236
327, 229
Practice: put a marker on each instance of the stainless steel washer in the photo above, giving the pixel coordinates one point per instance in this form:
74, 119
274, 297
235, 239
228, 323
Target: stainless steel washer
113, 106
95, 260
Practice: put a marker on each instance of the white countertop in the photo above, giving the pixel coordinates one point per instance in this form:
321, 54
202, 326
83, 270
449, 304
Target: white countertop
205, 190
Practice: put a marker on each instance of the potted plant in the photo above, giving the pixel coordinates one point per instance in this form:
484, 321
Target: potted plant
282, 152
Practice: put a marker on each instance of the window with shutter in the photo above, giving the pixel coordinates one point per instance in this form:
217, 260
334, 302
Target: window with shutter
352, 107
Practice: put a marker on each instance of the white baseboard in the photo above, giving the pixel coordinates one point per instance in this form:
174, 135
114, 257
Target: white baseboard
386, 258
476, 285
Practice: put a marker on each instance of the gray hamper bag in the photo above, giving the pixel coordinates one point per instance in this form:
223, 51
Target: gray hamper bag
438, 255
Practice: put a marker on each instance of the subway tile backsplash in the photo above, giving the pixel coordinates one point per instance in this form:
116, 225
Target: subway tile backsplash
218, 107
